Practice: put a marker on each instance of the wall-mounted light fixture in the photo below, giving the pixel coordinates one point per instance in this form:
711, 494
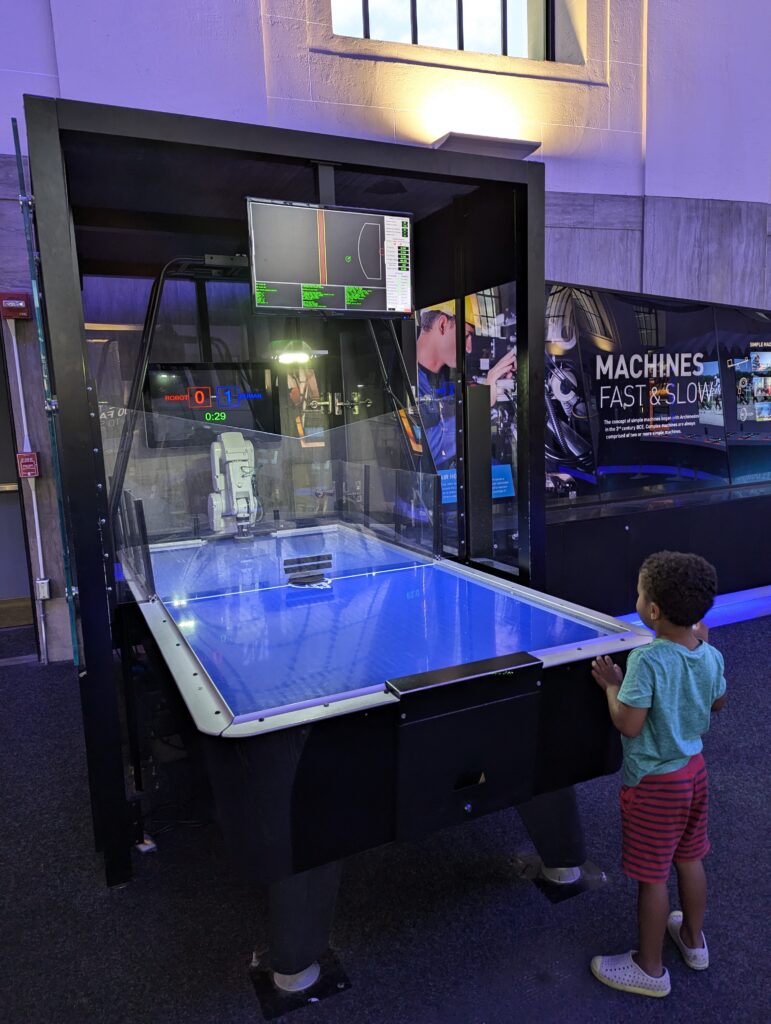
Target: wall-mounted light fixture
485, 145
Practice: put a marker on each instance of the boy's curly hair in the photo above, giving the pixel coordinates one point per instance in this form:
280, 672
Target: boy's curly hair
683, 586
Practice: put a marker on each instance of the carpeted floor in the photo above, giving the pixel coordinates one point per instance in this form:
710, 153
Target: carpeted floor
17, 641
444, 931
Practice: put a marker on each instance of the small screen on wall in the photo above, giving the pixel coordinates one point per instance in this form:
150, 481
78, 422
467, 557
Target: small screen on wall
316, 259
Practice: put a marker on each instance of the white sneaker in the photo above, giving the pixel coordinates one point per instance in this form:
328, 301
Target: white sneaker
623, 973
697, 959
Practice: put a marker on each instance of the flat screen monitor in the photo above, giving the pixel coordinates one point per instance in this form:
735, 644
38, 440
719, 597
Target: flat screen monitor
187, 405
329, 259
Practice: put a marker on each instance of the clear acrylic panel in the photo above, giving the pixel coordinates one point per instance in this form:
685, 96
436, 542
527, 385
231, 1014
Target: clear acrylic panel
491, 359
190, 518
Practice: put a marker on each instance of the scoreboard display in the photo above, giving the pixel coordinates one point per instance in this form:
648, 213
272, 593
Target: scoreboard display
182, 401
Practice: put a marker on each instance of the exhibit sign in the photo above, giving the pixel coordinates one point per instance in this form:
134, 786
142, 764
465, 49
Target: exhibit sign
490, 358
634, 396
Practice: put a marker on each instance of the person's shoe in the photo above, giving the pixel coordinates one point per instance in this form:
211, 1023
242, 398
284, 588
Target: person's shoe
697, 959
623, 973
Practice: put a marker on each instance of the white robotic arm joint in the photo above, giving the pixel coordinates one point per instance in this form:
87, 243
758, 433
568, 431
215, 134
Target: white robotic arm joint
233, 484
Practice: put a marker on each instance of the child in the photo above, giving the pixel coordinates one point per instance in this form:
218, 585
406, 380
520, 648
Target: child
662, 708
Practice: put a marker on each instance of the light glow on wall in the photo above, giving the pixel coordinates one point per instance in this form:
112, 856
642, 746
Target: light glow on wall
470, 108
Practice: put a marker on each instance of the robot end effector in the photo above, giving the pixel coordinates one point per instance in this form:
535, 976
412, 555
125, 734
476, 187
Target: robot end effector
233, 481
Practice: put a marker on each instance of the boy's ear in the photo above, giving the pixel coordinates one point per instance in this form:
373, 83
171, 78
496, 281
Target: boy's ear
655, 611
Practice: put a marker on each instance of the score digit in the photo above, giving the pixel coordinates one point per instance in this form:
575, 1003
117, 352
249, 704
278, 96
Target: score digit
199, 398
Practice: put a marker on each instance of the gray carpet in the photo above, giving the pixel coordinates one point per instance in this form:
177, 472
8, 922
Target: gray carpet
16, 641
444, 931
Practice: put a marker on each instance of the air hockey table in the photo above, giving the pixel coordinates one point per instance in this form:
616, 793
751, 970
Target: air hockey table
376, 694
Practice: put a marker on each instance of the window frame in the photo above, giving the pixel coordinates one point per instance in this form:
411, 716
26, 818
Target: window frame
549, 33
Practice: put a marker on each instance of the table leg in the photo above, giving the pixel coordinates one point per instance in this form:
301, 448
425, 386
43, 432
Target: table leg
554, 826
300, 912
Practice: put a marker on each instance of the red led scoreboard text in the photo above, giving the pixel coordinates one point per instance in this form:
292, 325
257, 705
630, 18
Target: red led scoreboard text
214, 403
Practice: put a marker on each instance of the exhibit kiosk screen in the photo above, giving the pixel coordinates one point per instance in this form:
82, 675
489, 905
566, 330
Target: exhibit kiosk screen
317, 258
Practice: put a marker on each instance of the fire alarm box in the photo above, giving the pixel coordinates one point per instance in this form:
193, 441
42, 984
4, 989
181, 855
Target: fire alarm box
15, 306
27, 464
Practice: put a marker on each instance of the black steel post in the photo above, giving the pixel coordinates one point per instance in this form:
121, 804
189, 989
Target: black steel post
460, 375
479, 461
325, 184
531, 301
202, 322
82, 468
365, 18
550, 30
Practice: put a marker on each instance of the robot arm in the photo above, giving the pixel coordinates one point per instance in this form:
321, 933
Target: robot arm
233, 494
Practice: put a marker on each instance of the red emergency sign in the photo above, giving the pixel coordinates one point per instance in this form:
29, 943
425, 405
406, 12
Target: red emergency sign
27, 464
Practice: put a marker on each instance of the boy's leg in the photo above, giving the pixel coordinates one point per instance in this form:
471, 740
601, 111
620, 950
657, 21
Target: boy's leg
652, 913
692, 885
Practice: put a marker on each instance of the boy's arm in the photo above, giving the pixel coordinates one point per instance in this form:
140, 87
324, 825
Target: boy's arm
628, 720
701, 630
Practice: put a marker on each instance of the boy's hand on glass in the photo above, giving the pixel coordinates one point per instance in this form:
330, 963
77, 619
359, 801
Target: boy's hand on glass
606, 672
701, 631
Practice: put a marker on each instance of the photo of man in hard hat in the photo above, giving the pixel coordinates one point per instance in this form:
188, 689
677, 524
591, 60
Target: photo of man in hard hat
437, 365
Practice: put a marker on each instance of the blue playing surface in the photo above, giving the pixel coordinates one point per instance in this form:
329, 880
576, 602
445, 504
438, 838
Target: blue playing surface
384, 613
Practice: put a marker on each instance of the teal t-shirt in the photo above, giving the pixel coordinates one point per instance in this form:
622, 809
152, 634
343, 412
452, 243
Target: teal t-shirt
679, 687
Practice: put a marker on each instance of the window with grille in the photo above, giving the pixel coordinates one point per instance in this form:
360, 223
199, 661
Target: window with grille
595, 317
648, 327
514, 28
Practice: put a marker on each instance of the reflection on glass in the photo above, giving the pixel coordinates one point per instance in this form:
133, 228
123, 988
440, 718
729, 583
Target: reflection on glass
438, 23
390, 20
744, 340
517, 22
347, 18
482, 26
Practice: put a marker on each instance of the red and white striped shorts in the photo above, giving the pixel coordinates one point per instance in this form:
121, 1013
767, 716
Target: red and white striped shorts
664, 819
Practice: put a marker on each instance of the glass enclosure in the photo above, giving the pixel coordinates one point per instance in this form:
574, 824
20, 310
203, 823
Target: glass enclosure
221, 425
489, 358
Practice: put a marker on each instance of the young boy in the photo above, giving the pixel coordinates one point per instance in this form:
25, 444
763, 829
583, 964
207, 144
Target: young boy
662, 708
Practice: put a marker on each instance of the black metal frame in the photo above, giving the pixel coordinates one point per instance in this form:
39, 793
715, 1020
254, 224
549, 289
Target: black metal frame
549, 29
50, 125
82, 469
